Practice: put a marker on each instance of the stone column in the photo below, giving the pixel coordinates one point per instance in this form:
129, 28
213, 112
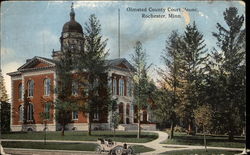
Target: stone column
124, 113
131, 113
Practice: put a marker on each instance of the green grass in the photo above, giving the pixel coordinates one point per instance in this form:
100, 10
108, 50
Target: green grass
121, 136
51, 146
220, 141
202, 152
141, 149
66, 146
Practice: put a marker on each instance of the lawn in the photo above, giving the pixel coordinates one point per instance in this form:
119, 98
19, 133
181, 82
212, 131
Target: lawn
121, 136
51, 146
65, 146
212, 140
141, 149
202, 152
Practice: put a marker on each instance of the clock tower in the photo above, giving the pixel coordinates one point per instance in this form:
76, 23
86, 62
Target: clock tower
72, 37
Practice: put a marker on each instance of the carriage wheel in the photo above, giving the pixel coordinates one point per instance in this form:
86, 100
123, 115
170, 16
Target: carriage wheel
130, 150
118, 150
98, 149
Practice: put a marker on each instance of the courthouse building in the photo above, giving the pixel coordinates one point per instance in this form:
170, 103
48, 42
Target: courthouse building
37, 78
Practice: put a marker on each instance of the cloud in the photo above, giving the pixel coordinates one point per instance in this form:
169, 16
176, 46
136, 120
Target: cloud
7, 68
47, 40
202, 14
7, 52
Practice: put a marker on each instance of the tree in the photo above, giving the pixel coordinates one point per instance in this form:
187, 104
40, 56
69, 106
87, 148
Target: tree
92, 70
63, 113
4, 106
232, 68
168, 100
141, 81
203, 118
65, 103
114, 117
3, 92
193, 56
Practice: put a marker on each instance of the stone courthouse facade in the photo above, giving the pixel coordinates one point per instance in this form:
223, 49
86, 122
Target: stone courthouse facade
34, 82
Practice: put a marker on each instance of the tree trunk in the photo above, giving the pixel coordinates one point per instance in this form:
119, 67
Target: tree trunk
189, 128
114, 132
205, 141
139, 127
230, 136
63, 128
89, 125
172, 130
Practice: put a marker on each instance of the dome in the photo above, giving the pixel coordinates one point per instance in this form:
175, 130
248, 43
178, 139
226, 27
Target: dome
72, 25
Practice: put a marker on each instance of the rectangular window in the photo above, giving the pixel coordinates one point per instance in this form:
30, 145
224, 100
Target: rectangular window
75, 115
47, 111
20, 91
121, 87
96, 114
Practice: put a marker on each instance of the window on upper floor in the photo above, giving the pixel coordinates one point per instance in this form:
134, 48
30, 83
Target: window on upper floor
30, 88
20, 91
74, 88
129, 87
47, 85
114, 90
121, 87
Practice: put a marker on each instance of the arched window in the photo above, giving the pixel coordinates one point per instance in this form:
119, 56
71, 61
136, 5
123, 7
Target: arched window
20, 113
121, 87
114, 87
30, 111
20, 91
30, 88
47, 85
47, 110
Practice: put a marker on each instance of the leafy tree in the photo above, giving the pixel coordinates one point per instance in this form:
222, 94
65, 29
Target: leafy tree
193, 55
3, 92
4, 106
232, 67
92, 70
141, 81
63, 112
168, 100
203, 118
114, 117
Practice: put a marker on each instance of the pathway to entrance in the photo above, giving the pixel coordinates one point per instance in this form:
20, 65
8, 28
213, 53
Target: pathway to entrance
155, 144
161, 148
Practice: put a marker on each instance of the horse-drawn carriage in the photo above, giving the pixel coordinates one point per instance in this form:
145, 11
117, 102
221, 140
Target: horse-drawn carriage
113, 148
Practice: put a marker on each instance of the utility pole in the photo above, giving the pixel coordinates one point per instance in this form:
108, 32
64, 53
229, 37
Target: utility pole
119, 52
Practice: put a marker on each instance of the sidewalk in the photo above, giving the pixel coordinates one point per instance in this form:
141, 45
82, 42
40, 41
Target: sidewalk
155, 144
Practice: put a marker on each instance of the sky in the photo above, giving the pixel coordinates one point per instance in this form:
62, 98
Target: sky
33, 28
